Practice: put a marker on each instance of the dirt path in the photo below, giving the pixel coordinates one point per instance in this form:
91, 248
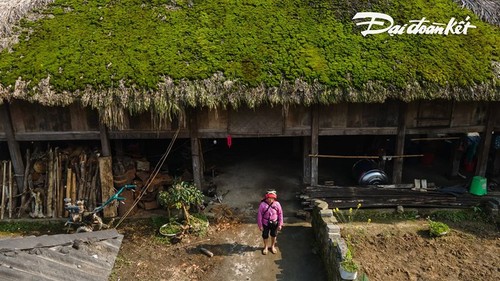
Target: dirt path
241, 258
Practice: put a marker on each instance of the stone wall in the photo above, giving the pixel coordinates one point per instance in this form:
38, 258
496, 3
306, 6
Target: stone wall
332, 247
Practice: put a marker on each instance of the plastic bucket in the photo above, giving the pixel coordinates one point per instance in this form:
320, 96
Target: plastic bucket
478, 186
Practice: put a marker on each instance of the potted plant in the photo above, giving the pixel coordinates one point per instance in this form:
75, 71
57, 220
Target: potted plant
348, 267
181, 196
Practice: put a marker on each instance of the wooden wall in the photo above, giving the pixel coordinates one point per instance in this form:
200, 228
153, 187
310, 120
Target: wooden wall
33, 122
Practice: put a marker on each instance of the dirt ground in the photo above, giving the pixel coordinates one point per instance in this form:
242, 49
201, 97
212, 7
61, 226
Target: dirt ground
386, 251
237, 255
404, 251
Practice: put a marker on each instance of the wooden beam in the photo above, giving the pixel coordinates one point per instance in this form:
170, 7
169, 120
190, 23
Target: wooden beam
314, 144
484, 146
196, 150
397, 173
105, 145
306, 164
14, 150
56, 136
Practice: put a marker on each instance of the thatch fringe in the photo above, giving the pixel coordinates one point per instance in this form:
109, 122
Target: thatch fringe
218, 92
487, 10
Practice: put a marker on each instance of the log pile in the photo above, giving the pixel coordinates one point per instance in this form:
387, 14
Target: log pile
387, 197
76, 173
55, 174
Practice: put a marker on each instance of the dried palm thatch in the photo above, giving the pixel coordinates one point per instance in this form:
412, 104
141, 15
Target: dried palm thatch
487, 10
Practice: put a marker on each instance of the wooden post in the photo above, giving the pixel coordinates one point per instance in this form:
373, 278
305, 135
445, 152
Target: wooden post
105, 145
397, 173
457, 154
306, 163
484, 146
10, 190
4, 187
196, 151
496, 163
14, 150
107, 187
314, 144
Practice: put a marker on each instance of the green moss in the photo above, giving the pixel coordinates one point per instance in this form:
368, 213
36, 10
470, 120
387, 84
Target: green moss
100, 43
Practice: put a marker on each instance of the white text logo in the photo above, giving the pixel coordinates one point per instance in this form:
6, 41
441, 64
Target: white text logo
422, 26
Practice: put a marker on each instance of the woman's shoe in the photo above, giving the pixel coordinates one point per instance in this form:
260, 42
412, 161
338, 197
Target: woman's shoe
264, 251
273, 250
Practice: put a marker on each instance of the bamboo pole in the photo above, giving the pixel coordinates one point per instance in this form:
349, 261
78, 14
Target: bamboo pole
25, 184
363, 157
50, 189
69, 180
73, 188
10, 189
61, 186
4, 178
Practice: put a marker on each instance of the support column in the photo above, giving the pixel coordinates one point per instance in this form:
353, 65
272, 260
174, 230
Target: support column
196, 151
306, 163
105, 146
14, 150
314, 144
456, 158
484, 146
397, 173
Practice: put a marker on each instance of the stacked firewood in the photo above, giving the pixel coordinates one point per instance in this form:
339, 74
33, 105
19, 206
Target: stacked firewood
56, 174
53, 175
137, 171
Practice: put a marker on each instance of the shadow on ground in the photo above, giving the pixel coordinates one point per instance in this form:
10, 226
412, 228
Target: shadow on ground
298, 262
226, 249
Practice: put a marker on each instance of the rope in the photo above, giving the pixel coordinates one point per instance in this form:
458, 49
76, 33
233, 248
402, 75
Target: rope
156, 170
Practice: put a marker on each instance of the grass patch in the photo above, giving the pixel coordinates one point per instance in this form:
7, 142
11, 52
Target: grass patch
31, 227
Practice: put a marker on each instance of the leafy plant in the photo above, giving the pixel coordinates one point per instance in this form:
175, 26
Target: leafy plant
346, 216
438, 228
348, 264
181, 196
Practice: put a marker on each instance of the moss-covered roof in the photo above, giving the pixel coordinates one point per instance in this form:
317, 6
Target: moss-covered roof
165, 55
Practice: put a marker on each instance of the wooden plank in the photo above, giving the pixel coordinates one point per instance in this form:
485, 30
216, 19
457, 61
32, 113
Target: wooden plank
306, 162
314, 144
107, 188
14, 150
54, 136
454, 130
457, 154
484, 146
358, 131
397, 174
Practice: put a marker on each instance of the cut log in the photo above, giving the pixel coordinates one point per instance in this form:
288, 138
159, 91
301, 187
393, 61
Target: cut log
207, 252
107, 188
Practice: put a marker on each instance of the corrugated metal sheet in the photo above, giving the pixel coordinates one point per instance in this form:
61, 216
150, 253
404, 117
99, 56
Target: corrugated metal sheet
69, 257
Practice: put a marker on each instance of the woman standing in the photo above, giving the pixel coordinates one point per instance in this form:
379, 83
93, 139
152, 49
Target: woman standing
270, 220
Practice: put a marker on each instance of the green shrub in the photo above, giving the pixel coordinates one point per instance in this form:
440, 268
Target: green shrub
437, 229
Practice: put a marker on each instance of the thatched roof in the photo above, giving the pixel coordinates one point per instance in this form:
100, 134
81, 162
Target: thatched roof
168, 55
487, 10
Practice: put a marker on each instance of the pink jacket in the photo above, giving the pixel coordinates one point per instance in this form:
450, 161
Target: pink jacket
272, 214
